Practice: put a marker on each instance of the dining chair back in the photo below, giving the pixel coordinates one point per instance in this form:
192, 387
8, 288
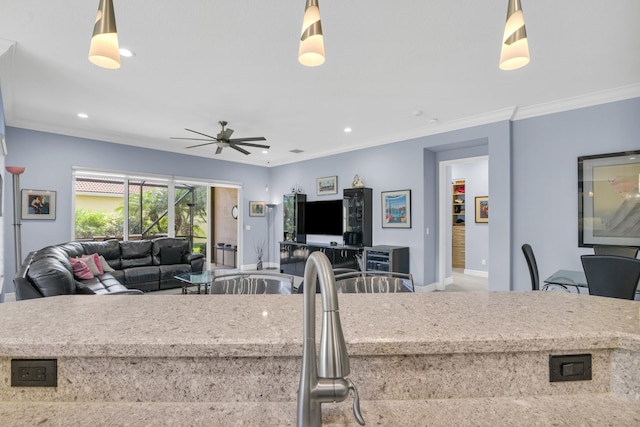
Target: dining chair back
373, 281
627, 251
527, 250
611, 275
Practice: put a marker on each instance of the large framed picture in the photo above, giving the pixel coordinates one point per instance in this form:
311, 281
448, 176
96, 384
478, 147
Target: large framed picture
608, 199
257, 209
38, 204
482, 209
327, 185
396, 209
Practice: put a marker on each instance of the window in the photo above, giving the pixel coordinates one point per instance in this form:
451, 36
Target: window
99, 208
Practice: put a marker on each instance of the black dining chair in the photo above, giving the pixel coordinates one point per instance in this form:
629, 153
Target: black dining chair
626, 251
611, 276
527, 250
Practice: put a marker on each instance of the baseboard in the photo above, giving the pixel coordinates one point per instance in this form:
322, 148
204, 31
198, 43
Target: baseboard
477, 273
10, 297
432, 287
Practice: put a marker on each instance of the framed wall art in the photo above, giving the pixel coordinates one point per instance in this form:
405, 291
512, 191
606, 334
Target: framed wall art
482, 209
608, 199
396, 209
327, 185
38, 204
257, 209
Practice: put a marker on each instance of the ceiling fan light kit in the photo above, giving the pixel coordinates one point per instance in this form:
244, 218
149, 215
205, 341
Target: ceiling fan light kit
311, 52
515, 47
223, 140
104, 51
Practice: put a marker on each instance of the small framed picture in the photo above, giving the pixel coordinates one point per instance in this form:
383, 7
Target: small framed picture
257, 209
38, 204
482, 209
396, 209
327, 185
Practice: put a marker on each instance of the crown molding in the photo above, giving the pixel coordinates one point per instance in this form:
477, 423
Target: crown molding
582, 101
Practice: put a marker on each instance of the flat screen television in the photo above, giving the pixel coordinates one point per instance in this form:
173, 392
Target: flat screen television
323, 217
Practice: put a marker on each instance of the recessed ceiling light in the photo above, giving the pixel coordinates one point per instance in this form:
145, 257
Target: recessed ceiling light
126, 52
265, 151
83, 115
417, 113
347, 129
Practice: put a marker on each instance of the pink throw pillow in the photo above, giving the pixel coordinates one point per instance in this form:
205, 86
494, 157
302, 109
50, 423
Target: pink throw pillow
93, 261
80, 269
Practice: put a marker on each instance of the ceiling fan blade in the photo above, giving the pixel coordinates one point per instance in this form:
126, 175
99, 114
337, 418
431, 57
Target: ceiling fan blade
218, 150
200, 133
192, 139
251, 145
239, 149
200, 145
255, 138
226, 134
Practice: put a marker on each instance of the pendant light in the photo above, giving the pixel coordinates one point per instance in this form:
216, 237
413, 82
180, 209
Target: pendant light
104, 42
311, 51
515, 47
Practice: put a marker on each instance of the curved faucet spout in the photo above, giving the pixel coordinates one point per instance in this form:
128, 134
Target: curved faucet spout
327, 381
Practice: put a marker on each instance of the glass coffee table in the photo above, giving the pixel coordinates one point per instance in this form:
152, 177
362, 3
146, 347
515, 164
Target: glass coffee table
201, 280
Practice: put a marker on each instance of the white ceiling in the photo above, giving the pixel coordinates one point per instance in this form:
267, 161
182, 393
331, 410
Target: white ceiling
201, 61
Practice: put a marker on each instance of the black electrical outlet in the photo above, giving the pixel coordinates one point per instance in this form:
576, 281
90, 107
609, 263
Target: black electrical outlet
574, 367
34, 372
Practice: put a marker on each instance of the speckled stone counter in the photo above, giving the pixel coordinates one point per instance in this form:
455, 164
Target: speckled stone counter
235, 359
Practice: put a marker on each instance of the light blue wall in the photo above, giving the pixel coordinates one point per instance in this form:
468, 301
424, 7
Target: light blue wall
532, 174
49, 159
545, 179
408, 165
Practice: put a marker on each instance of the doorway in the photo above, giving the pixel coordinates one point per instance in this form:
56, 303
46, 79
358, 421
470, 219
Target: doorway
224, 229
461, 183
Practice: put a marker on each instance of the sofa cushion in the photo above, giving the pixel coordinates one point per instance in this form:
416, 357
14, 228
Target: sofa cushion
105, 265
135, 275
51, 277
135, 253
81, 269
109, 249
104, 284
168, 242
171, 255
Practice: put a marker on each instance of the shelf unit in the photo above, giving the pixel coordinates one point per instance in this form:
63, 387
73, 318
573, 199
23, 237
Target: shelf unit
458, 211
387, 258
294, 217
358, 220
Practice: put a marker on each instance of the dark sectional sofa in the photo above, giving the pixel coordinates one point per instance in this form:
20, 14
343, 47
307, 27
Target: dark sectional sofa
138, 265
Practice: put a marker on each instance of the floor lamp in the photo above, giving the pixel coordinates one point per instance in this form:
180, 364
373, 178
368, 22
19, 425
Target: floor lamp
271, 207
17, 213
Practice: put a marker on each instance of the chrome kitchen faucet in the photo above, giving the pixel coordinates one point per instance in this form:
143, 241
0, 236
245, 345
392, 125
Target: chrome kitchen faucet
326, 381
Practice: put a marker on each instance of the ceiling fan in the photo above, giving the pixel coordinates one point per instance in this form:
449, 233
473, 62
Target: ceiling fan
223, 140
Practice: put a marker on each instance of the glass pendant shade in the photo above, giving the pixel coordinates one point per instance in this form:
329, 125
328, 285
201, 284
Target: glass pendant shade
104, 43
311, 51
515, 47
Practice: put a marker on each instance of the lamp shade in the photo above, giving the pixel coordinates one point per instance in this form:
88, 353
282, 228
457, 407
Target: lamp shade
15, 170
515, 47
104, 49
311, 51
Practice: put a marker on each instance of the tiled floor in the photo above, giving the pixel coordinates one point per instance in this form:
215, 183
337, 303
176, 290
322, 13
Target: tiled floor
465, 283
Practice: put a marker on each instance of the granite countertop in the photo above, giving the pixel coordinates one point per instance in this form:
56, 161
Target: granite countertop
271, 325
190, 326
